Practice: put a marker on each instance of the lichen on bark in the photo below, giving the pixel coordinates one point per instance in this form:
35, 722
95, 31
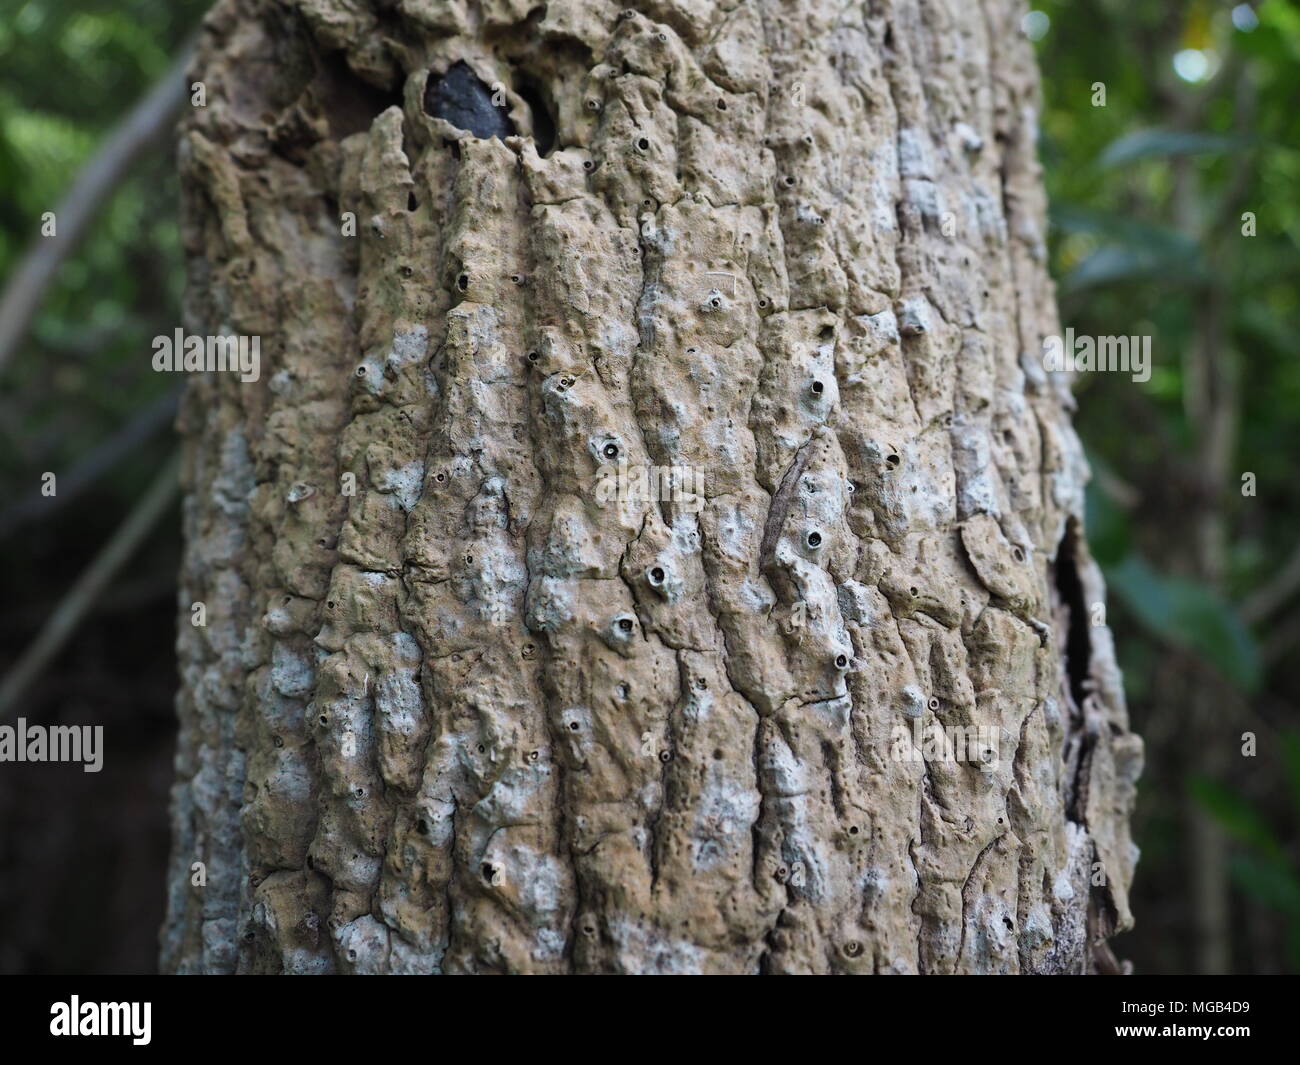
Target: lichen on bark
455, 710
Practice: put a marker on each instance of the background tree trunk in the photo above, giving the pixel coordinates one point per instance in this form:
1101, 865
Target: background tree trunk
478, 716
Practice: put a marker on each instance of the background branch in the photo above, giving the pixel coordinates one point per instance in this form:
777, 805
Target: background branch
148, 121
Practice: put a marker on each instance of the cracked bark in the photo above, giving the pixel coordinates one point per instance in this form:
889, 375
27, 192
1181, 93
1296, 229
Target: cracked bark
471, 716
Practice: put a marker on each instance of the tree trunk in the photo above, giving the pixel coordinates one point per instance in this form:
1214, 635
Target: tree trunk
628, 499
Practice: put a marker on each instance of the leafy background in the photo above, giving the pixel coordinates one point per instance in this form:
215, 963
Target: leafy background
1199, 126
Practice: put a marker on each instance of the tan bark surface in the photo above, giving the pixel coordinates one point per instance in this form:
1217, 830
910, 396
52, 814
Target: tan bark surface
479, 717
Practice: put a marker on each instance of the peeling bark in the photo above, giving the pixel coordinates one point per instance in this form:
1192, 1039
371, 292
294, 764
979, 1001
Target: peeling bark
477, 716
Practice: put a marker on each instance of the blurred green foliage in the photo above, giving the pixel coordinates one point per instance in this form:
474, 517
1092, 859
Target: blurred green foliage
1149, 199
69, 71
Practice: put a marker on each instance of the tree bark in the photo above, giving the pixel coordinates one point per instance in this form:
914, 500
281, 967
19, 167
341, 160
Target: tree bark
475, 712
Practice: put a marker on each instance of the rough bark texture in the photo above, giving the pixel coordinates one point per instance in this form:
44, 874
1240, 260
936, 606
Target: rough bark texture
475, 717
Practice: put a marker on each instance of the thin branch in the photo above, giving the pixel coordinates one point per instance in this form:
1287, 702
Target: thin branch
102, 459
90, 585
133, 136
1265, 600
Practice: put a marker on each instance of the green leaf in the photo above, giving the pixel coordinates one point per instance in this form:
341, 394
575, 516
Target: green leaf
1105, 522
1291, 758
1130, 250
1242, 821
1148, 143
1272, 882
1190, 616
1116, 262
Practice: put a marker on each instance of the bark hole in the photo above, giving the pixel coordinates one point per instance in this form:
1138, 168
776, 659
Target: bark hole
1078, 642
349, 104
543, 121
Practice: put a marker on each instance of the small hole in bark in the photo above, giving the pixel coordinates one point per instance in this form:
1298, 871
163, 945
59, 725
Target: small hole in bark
656, 575
488, 870
914, 592
665, 756
361, 371
611, 451
573, 726
411, 202
625, 624
528, 650
933, 704
480, 748
853, 830
421, 827
853, 948
440, 477
841, 661
278, 741
1017, 554
643, 144
462, 282
892, 462
814, 539
534, 755
624, 691
533, 356
762, 302
827, 332
789, 181
516, 279
818, 388
717, 755
722, 105
588, 165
